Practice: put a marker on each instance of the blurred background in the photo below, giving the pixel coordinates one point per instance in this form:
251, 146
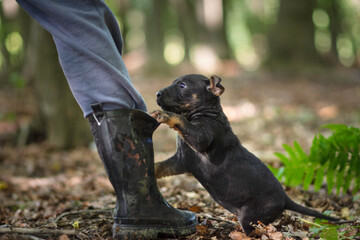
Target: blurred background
297, 61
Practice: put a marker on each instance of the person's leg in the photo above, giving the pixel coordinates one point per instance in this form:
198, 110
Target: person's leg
89, 45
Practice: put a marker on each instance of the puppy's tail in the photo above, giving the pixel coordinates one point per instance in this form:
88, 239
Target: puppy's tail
292, 206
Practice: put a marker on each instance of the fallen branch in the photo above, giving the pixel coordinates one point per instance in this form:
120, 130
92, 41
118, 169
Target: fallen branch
82, 212
37, 231
309, 222
218, 219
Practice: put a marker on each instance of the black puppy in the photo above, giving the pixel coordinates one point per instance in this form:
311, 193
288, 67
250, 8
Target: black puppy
208, 148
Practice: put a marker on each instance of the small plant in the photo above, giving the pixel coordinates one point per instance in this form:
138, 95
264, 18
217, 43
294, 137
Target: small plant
335, 157
333, 232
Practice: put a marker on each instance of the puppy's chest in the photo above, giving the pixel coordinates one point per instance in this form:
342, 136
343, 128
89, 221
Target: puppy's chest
211, 176
190, 157
196, 163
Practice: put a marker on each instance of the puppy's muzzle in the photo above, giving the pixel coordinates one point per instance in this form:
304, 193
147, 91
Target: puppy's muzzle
159, 99
158, 94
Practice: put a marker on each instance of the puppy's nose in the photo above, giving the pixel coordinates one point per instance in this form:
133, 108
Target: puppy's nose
158, 94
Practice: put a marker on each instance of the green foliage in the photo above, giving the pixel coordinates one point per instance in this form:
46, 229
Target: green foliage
330, 232
335, 157
17, 80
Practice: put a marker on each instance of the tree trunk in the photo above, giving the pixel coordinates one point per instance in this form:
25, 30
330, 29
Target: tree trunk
291, 41
64, 122
334, 11
12, 64
155, 31
200, 32
188, 25
214, 29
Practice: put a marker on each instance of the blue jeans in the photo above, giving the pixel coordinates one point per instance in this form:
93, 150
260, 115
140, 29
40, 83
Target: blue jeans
89, 44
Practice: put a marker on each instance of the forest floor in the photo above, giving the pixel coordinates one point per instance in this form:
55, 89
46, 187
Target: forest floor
66, 194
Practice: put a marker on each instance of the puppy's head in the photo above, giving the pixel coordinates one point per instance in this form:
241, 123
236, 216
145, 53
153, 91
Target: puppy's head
189, 93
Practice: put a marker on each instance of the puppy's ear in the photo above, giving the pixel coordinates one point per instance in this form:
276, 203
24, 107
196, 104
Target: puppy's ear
215, 87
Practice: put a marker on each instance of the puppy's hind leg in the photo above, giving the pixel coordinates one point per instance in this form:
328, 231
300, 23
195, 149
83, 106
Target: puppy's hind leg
258, 211
169, 167
245, 222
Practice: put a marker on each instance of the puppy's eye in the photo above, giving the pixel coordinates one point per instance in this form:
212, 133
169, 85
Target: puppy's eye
182, 85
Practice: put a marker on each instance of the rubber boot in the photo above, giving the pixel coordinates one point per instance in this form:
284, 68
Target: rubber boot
124, 142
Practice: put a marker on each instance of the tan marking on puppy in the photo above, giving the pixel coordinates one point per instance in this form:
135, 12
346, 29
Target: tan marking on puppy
193, 100
176, 123
164, 170
172, 121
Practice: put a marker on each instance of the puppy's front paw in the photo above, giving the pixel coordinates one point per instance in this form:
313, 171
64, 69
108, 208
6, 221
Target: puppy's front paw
160, 116
173, 120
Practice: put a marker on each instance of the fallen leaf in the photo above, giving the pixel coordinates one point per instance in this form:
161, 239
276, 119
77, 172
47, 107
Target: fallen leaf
192, 195
195, 209
235, 235
64, 237
257, 232
330, 234
270, 228
3, 185
76, 224
345, 212
352, 233
276, 236
264, 237
201, 229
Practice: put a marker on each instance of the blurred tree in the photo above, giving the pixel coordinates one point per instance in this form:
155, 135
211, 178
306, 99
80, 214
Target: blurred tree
63, 122
291, 40
120, 11
14, 33
155, 34
334, 10
209, 27
342, 29
189, 25
227, 51
214, 26
4, 58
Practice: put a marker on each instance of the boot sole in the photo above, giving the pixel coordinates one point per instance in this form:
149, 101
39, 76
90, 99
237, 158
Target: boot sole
128, 232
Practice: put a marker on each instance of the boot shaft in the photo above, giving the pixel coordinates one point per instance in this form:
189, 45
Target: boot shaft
124, 142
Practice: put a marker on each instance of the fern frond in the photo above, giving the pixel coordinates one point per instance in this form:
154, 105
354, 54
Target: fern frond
319, 178
302, 156
309, 176
335, 158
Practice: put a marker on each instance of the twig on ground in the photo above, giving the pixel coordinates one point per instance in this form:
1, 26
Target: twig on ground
37, 231
81, 212
309, 222
208, 216
35, 238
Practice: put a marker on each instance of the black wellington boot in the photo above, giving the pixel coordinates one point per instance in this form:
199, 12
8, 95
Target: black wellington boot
124, 142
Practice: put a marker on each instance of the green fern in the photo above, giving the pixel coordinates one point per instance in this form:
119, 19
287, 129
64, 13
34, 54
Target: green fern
336, 157
324, 230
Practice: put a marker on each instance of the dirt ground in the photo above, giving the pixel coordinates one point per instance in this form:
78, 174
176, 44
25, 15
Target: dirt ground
66, 194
